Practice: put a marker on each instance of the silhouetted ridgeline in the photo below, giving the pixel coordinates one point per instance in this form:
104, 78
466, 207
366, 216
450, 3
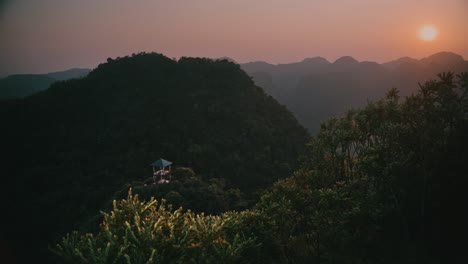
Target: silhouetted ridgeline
315, 89
68, 149
22, 85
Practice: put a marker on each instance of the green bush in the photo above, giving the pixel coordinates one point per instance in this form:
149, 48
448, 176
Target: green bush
151, 232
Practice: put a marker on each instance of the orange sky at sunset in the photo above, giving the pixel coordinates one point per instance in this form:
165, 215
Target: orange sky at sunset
51, 35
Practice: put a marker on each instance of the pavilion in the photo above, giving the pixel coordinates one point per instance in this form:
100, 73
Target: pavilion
161, 168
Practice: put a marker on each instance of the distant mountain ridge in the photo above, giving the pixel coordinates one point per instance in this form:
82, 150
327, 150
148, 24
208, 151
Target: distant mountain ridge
69, 74
316, 89
22, 85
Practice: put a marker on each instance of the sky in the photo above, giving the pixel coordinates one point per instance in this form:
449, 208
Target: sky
39, 36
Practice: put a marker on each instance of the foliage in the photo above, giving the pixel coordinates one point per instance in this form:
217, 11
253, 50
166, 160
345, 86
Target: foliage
151, 232
313, 224
379, 171
189, 190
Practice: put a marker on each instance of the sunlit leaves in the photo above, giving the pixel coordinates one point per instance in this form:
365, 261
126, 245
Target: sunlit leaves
151, 232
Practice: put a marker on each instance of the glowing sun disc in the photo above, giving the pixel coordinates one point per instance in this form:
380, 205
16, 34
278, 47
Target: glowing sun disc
428, 33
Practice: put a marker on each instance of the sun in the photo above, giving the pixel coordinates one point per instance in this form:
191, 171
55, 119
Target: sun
428, 33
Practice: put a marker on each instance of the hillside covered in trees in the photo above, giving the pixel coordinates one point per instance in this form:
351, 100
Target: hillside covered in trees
71, 148
372, 188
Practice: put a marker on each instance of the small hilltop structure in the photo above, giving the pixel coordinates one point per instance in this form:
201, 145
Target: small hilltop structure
161, 171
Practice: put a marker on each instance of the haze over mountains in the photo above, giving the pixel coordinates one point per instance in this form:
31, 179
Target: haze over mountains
316, 89
22, 85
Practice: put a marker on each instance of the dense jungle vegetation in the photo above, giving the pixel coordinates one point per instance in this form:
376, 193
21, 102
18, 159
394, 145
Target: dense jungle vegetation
371, 188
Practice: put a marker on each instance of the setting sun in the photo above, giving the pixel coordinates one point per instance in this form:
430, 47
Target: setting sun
428, 33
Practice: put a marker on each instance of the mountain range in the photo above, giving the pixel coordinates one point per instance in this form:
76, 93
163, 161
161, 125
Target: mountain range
316, 89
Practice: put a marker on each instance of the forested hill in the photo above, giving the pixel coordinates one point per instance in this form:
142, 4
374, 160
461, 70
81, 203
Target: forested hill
71, 147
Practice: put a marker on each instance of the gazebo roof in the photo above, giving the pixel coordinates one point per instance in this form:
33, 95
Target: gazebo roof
161, 163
